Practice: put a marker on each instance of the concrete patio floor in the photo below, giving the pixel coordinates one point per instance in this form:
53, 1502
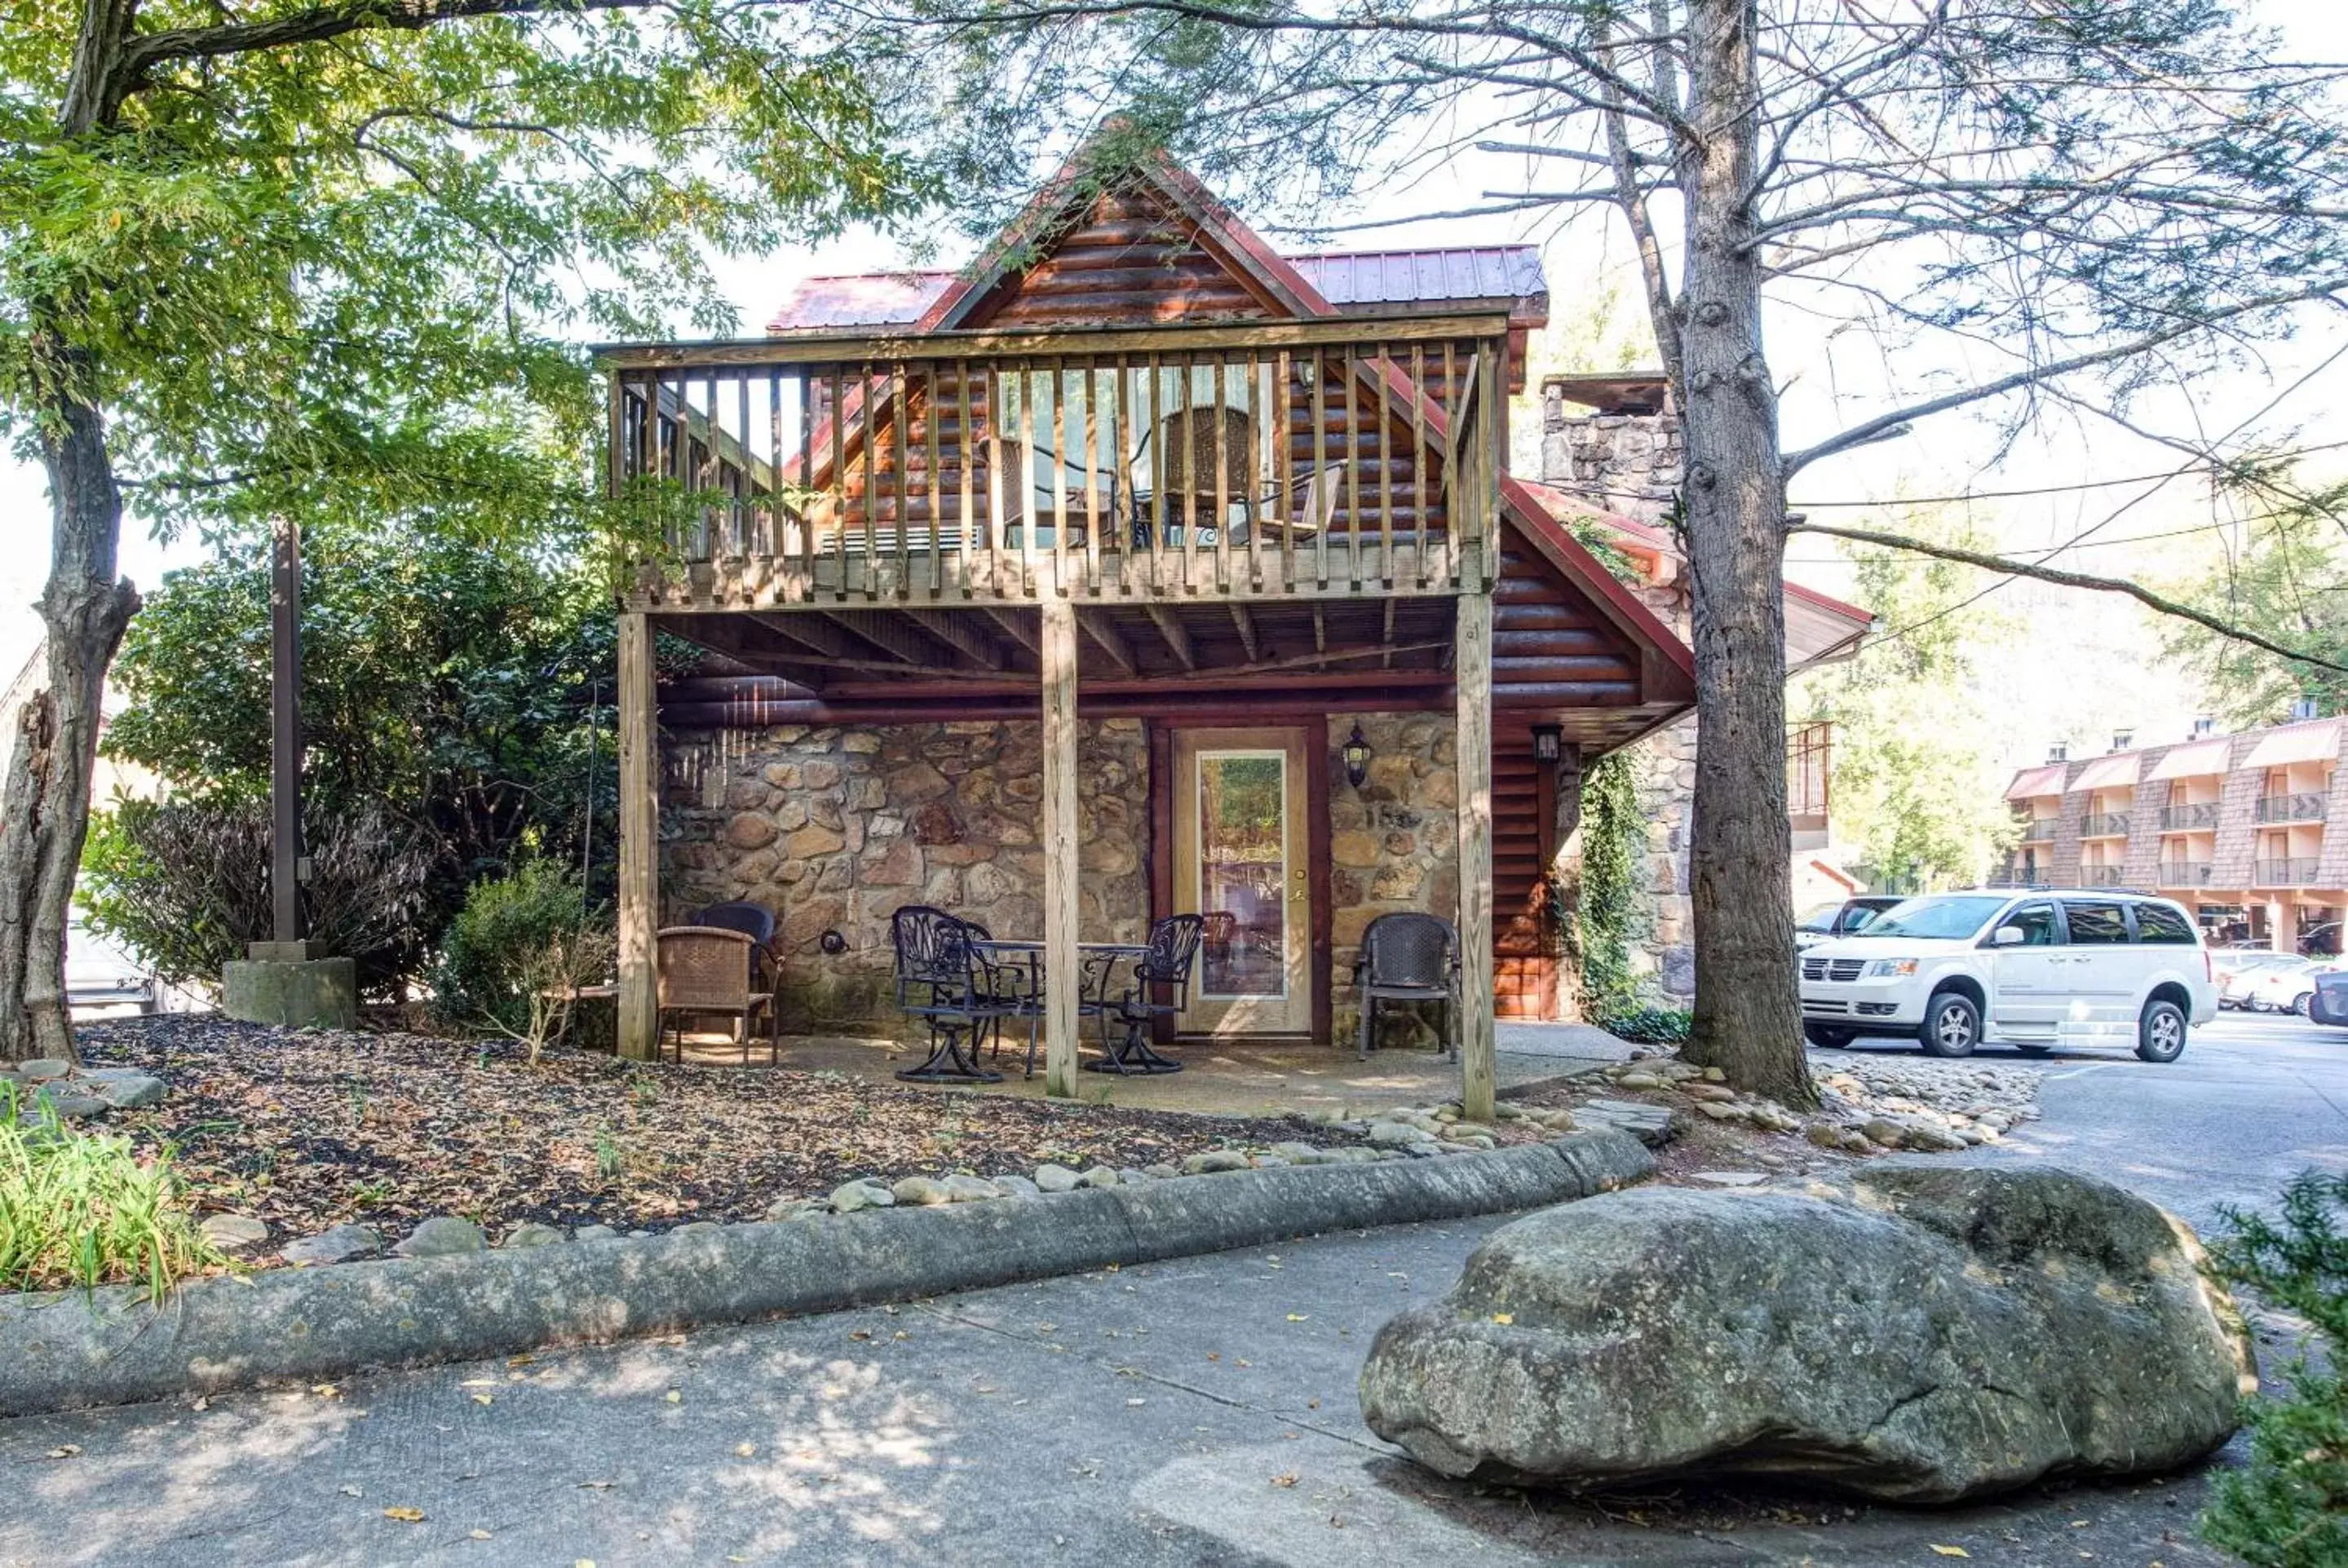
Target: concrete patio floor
1222, 1077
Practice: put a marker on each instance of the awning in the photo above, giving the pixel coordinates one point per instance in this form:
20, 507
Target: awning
2109, 773
2317, 743
2032, 782
2196, 760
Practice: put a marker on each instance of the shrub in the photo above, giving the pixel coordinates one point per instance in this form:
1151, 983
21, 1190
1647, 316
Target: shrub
187, 883
522, 944
2289, 1507
80, 1209
1648, 1025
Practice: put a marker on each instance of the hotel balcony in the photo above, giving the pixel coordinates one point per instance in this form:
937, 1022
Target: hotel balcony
2184, 818
2302, 805
2185, 874
2104, 824
2294, 871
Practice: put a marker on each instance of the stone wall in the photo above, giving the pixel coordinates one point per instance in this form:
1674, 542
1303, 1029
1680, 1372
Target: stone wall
1632, 463
834, 829
1394, 845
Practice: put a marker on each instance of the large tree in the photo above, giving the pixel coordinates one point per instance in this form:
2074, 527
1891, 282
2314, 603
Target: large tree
252, 251
2048, 200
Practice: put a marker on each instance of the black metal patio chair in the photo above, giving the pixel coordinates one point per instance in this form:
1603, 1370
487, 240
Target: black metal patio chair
1164, 967
940, 979
1410, 957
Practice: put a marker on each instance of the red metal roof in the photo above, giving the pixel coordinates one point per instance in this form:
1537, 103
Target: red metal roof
1358, 279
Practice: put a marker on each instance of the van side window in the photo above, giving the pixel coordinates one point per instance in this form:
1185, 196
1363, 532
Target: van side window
2037, 923
2095, 924
2159, 923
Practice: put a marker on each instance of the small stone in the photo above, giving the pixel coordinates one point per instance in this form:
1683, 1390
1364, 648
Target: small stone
1884, 1131
1712, 1092
1714, 1075
1210, 1160
1017, 1188
1825, 1134
597, 1233
233, 1234
529, 1232
1399, 1134
43, 1068
1056, 1179
1301, 1153
921, 1190
864, 1193
1639, 1081
1160, 1171
1721, 1110
339, 1244
443, 1235
697, 1228
1128, 1177
1731, 1178
134, 1092
786, 1209
965, 1188
1100, 1176
1270, 1161
68, 1107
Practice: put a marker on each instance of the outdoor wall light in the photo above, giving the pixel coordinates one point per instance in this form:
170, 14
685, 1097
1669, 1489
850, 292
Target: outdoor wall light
1357, 758
1547, 747
832, 942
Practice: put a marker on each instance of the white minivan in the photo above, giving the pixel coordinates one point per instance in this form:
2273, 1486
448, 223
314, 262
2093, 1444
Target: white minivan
2037, 969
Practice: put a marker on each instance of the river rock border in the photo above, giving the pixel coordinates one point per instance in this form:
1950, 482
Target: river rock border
71, 1350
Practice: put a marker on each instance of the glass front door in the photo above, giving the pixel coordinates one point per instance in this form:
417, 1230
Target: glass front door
1242, 867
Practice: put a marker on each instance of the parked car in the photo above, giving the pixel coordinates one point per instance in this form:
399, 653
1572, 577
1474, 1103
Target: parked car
2286, 986
2038, 969
2331, 1003
98, 974
1847, 919
2237, 971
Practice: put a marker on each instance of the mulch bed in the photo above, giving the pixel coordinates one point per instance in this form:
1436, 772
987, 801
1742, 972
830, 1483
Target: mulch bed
304, 1131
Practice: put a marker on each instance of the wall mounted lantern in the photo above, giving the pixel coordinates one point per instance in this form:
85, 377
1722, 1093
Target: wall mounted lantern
1547, 744
1356, 753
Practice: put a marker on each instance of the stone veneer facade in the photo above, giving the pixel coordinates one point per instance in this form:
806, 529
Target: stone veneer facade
834, 829
1631, 464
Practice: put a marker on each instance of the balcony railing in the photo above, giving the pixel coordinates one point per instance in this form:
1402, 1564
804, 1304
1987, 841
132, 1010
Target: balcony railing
1295, 459
2099, 876
2294, 871
2184, 818
2104, 824
2302, 805
2013, 876
2039, 830
2185, 874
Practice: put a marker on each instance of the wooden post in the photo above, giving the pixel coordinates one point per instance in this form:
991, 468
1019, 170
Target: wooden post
1061, 977
639, 1006
1473, 763
285, 732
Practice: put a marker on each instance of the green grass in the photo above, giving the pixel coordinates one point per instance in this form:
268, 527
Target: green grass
81, 1209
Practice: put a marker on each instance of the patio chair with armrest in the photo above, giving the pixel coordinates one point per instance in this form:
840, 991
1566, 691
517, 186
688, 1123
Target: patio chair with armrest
1165, 966
941, 979
711, 969
1410, 957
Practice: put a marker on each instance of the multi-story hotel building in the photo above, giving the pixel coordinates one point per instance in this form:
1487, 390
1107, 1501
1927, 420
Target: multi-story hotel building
2251, 829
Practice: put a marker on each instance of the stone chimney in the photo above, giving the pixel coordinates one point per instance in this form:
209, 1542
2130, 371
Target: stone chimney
1613, 440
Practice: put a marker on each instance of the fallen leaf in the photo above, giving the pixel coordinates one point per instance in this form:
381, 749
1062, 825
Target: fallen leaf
1300, 1318
1286, 1478
484, 1398
477, 1534
744, 1450
1131, 1402
1951, 1550
1504, 1317
63, 1450
675, 1396
404, 1515
349, 1490
325, 1390
597, 1485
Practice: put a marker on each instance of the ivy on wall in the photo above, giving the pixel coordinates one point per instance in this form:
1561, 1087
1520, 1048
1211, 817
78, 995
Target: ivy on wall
1612, 916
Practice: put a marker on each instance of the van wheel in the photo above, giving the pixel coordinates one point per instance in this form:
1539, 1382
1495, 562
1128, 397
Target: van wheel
2160, 1032
1952, 1025
1826, 1036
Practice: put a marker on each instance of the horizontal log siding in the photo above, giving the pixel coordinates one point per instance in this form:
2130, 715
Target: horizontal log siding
1524, 949
1128, 263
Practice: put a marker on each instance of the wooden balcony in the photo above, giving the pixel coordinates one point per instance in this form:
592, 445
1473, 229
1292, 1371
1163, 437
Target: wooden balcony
1293, 460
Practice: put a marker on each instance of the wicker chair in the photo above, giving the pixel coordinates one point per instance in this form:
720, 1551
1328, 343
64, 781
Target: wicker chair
710, 969
1410, 957
1173, 949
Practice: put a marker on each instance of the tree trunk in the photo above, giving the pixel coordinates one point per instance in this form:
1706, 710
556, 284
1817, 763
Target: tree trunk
1748, 1020
83, 612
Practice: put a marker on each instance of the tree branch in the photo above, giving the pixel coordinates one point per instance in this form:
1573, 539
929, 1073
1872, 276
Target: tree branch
1873, 429
2009, 567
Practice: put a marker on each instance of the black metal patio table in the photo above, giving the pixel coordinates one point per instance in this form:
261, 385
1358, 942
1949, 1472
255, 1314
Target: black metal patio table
1098, 962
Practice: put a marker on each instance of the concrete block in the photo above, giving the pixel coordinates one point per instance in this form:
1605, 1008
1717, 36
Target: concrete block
320, 993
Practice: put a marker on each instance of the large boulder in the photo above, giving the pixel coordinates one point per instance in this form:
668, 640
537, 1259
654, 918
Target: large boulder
1925, 1334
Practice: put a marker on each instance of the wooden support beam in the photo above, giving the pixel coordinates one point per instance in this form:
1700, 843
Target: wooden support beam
639, 1002
1178, 636
1320, 630
1387, 635
1062, 978
890, 635
1111, 641
1473, 763
817, 633
958, 634
1246, 624
1016, 627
